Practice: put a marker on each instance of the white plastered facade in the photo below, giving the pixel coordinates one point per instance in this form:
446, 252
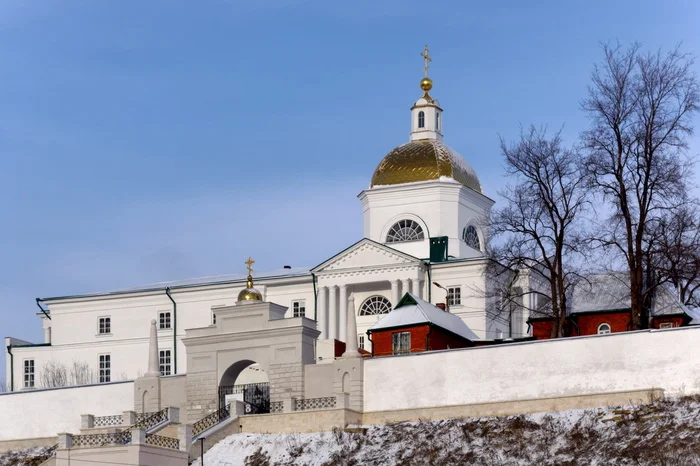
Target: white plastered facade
372, 267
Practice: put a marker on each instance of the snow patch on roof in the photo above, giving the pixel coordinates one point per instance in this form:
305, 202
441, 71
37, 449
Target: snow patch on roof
424, 313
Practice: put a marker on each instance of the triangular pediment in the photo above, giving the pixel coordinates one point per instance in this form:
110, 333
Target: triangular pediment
366, 253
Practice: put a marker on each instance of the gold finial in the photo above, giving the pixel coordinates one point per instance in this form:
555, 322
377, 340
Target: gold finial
249, 263
426, 83
426, 60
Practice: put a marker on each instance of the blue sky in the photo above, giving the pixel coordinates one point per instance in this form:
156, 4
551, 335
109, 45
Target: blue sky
143, 141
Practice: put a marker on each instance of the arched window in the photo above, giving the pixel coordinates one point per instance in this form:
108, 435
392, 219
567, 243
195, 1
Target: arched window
405, 230
375, 305
471, 237
437, 121
421, 119
603, 329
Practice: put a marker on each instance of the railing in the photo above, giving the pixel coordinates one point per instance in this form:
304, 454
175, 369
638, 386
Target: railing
149, 420
141, 416
211, 420
305, 404
107, 421
276, 407
165, 442
99, 440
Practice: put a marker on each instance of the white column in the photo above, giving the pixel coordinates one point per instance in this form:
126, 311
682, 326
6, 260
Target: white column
343, 318
322, 310
404, 287
351, 331
153, 368
421, 285
414, 287
394, 293
332, 312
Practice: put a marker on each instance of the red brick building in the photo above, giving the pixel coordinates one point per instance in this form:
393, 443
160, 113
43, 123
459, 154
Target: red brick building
601, 305
415, 326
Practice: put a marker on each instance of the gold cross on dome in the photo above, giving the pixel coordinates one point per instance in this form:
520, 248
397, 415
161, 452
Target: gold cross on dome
426, 60
250, 263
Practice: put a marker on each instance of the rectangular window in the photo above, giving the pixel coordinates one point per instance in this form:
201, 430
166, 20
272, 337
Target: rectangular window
299, 308
164, 320
28, 373
213, 318
361, 341
104, 325
164, 362
401, 343
454, 296
666, 325
105, 368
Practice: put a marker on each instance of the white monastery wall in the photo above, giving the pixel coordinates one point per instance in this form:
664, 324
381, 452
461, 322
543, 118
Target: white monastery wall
45, 413
666, 359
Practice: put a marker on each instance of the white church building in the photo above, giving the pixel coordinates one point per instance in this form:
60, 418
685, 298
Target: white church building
148, 374
424, 225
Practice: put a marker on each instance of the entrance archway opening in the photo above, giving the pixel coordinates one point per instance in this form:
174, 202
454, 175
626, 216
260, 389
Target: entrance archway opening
248, 382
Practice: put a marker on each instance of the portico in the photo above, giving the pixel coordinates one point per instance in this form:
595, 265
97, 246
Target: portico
362, 269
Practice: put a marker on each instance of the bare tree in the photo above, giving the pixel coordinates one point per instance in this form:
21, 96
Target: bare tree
54, 374
537, 226
675, 251
640, 106
81, 373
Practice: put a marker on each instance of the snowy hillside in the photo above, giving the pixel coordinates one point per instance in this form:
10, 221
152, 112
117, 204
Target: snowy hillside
664, 433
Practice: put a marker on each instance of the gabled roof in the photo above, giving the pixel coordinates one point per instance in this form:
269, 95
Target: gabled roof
611, 292
412, 310
364, 242
194, 282
694, 313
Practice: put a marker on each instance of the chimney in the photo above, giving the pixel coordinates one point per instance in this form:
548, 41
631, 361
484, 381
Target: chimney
288, 267
441, 306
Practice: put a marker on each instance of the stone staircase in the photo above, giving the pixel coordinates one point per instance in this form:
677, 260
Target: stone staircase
161, 426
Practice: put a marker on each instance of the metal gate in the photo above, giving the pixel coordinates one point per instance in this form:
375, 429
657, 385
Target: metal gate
256, 396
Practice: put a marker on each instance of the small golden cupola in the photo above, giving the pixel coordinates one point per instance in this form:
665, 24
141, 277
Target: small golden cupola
249, 294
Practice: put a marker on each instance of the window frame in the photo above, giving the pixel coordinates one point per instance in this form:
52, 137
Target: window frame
372, 303
666, 325
451, 292
403, 339
165, 361
108, 325
299, 308
104, 367
361, 341
29, 377
165, 318
397, 233
470, 228
609, 331
421, 119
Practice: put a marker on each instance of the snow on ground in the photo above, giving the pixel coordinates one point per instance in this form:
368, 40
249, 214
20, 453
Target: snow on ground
27, 457
662, 433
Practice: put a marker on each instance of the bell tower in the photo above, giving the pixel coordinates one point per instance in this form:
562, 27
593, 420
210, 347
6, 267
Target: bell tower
426, 114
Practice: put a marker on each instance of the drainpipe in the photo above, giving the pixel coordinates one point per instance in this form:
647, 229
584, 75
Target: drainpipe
42, 309
427, 339
167, 291
369, 337
578, 329
313, 280
12, 368
430, 281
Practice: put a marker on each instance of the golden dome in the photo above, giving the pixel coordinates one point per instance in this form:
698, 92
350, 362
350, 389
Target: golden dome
424, 160
249, 293
426, 84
